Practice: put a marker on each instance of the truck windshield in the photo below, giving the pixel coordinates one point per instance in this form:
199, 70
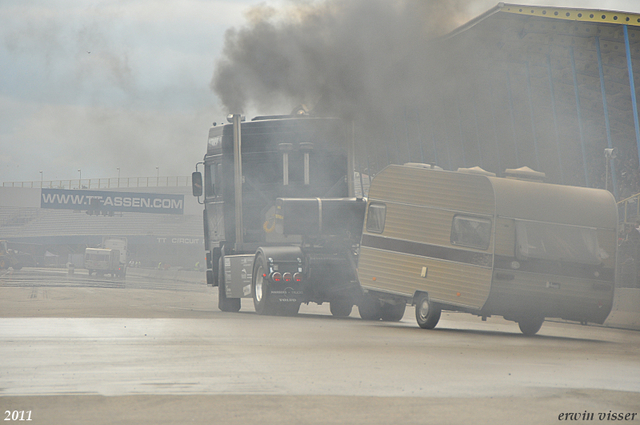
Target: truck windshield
557, 242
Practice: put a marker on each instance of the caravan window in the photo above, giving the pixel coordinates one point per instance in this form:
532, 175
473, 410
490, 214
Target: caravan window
375, 217
557, 242
472, 232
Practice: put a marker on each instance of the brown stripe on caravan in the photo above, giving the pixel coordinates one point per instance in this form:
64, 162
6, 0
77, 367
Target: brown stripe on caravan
427, 250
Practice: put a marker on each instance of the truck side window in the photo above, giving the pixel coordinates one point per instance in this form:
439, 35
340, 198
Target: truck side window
375, 217
210, 180
472, 232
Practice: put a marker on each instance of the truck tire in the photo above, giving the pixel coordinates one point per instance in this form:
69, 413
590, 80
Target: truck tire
369, 308
289, 309
427, 314
393, 312
529, 326
341, 307
229, 305
261, 288
210, 280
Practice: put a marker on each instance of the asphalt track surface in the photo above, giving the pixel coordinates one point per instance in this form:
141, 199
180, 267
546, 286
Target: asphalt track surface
154, 349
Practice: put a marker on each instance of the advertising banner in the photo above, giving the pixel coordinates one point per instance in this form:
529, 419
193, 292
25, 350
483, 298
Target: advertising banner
108, 201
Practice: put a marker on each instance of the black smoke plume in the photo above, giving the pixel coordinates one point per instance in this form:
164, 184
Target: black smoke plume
347, 58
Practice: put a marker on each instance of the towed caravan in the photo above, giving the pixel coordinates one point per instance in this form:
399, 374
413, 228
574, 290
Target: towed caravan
486, 245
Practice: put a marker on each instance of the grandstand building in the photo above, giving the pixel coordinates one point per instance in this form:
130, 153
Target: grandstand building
160, 218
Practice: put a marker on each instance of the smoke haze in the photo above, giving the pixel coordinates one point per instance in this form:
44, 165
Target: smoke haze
413, 97
101, 86
345, 57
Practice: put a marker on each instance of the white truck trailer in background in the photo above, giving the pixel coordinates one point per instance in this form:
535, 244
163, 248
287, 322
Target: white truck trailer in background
109, 242
111, 258
103, 261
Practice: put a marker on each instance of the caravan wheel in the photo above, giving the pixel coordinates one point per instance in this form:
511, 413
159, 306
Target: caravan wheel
427, 315
393, 312
369, 308
531, 325
341, 307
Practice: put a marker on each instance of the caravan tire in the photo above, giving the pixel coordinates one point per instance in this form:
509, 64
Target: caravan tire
427, 314
393, 312
341, 307
261, 289
229, 305
369, 308
529, 326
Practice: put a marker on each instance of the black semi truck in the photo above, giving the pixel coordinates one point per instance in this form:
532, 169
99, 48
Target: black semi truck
281, 222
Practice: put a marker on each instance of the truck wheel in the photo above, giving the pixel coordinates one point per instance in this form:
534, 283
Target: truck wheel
392, 312
289, 309
427, 315
341, 307
210, 280
229, 305
369, 308
261, 288
530, 325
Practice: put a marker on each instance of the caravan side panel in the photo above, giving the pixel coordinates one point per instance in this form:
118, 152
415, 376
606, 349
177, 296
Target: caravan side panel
570, 273
414, 250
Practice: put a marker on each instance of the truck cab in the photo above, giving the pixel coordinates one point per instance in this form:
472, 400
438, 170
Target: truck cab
251, 170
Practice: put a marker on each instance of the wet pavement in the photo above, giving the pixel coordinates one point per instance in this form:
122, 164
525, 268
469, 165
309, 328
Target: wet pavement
155, 350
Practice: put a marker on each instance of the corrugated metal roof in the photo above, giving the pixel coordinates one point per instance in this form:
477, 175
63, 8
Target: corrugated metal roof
559, 13
529, 86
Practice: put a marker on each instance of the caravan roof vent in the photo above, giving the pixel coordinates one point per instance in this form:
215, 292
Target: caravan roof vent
423, 165
476, 170
524, 173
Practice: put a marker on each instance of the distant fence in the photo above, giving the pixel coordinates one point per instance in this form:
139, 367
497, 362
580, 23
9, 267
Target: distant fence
106, 183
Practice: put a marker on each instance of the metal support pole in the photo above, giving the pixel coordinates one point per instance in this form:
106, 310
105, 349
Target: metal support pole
513, 120
475, 118
395, 137
533, 121
406, 133
419, 126
464, 154
351, 158
578, 110
610, 162
555, 118
366, 154
632, 86
433, 139
606, 177
446, 141
386, 145
495, 127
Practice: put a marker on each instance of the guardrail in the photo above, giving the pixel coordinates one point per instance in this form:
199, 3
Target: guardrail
629, 209
105, 183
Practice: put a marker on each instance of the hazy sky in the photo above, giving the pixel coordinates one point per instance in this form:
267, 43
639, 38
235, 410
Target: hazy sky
100, 85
